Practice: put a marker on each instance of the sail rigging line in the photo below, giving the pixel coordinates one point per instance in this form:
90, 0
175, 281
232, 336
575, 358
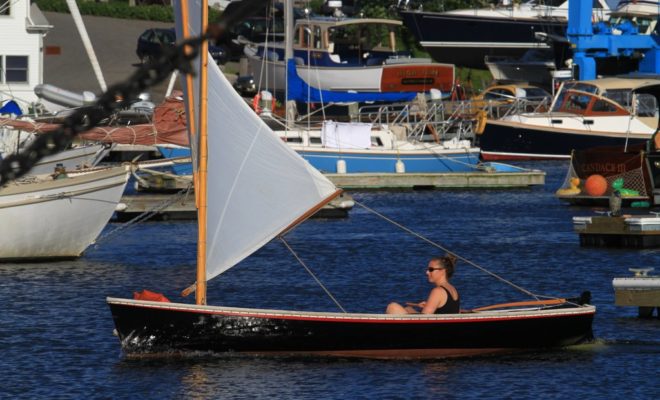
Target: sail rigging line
146, 215
311, 273
434, 244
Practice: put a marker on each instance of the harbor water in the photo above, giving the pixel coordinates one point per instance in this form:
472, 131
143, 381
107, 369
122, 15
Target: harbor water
56, 332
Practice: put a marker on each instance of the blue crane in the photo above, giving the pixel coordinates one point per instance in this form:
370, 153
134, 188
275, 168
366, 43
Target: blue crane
591, 41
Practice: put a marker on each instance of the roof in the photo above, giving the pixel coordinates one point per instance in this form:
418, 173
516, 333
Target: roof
622, 83
37, 21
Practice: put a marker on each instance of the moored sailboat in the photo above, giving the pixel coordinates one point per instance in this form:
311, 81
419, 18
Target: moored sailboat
245, 200
48, 218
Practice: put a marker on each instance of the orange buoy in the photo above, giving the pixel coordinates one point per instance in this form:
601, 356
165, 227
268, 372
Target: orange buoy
595, 185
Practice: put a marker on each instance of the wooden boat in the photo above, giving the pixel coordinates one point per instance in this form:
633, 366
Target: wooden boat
47, 218
243, 203
348, 54
583, 115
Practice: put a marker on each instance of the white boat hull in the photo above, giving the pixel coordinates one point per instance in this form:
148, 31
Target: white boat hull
271, 75
58, 218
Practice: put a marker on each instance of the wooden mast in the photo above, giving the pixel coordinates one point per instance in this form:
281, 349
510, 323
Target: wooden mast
200, 291
190, 109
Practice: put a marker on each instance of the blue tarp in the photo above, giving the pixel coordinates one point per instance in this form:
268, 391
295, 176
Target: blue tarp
11, 107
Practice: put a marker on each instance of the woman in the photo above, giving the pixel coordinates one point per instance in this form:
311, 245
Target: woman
443, 298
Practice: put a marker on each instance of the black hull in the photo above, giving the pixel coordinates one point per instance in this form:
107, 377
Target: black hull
148, 327
505, 141
466, 40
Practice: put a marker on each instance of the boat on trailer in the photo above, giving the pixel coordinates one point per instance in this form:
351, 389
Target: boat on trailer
348, 54
244, 202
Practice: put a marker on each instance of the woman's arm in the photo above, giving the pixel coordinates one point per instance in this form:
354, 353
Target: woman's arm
437, 298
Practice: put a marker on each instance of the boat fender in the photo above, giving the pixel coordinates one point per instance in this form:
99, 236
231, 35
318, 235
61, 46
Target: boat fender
481, 122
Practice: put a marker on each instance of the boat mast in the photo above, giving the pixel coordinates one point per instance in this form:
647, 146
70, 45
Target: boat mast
200, 291
288, 55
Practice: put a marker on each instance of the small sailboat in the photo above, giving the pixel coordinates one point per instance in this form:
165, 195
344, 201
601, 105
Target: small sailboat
58, 217
245, 200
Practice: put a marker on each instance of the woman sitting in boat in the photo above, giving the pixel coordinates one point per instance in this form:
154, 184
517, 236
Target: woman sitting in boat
443, 298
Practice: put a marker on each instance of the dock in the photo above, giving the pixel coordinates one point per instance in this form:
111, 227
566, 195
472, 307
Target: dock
170, 206
455, 180
641, 290
630, 231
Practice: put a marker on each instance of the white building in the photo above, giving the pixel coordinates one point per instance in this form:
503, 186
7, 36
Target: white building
22, 27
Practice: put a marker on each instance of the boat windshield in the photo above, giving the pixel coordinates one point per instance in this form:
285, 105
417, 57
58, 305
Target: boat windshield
571, 86
364, 37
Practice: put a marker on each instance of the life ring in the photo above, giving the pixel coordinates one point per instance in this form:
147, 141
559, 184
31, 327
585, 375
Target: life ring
256, 101
481, 122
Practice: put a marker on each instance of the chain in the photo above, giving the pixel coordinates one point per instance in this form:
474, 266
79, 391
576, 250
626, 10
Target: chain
121, 95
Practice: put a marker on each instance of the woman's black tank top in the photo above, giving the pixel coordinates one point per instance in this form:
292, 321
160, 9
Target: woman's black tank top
451, 306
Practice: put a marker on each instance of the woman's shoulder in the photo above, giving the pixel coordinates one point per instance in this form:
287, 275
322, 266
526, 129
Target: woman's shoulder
450, 290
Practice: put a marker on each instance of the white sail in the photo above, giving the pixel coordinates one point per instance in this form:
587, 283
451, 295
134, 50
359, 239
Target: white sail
257, 186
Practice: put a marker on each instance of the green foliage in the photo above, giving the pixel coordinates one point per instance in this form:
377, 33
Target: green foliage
114, 9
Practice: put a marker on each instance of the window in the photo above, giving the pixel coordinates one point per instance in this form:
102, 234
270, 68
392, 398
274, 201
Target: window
5, 8
646, 105
14, 69
603, 106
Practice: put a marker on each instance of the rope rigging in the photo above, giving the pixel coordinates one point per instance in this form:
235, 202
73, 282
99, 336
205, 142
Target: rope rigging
538, 297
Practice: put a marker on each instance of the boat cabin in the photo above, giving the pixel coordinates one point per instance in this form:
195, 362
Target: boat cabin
608, 97
349, 42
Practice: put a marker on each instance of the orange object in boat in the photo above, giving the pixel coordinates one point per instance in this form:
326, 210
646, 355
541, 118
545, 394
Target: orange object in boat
148, 295
595, 185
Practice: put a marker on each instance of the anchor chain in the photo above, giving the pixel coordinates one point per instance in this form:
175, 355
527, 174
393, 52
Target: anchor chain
121, 95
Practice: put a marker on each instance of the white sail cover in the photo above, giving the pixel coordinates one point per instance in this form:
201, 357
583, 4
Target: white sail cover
257, 186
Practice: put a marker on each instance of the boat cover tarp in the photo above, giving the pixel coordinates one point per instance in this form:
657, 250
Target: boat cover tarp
11, 107
168, 127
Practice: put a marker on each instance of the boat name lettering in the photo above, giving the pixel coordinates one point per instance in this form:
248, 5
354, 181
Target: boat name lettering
407, 73
604, 167
417, 81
